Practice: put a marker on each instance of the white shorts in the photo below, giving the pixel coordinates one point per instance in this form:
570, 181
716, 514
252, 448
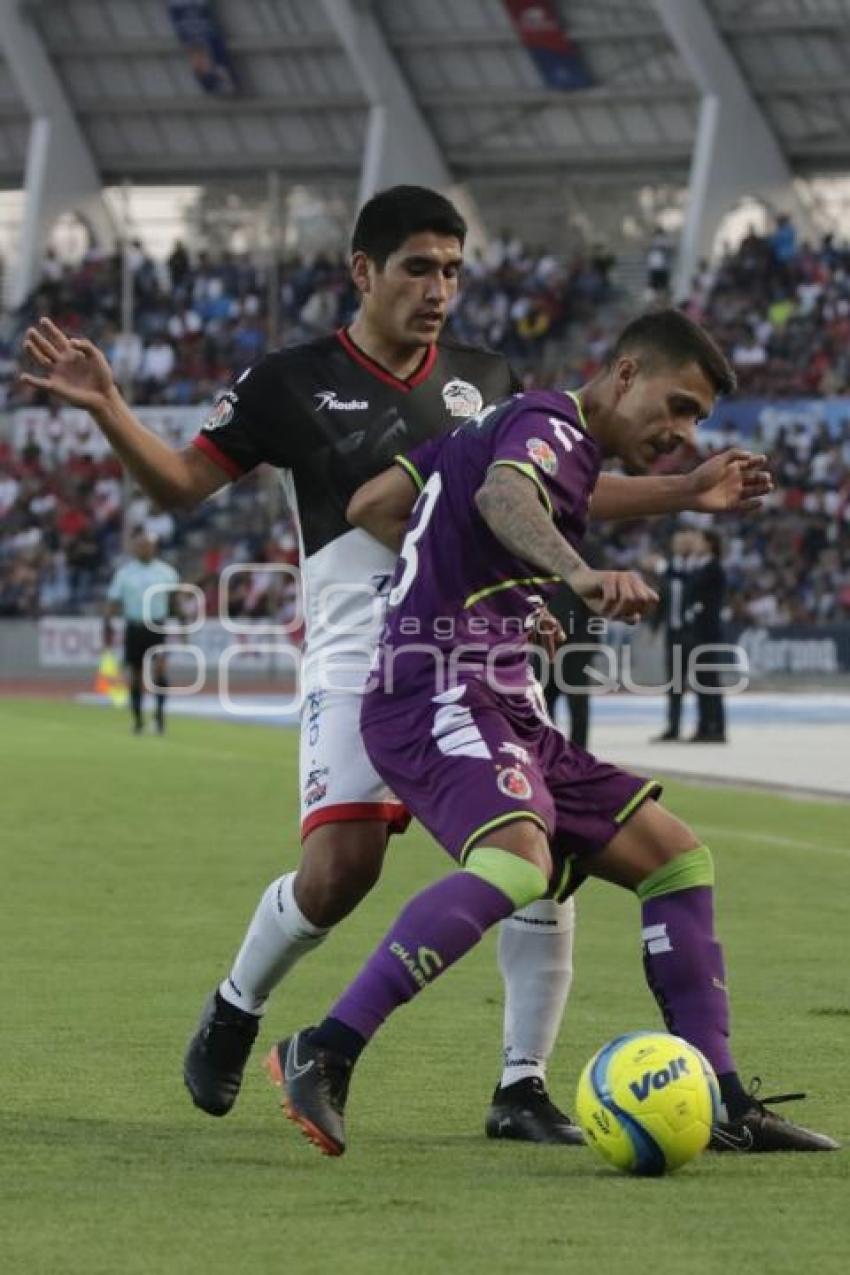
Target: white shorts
339, 784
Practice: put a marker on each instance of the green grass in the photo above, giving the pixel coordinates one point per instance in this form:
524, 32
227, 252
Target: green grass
130, 867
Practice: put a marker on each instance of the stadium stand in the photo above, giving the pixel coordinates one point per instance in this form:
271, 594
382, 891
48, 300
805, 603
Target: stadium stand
784, 316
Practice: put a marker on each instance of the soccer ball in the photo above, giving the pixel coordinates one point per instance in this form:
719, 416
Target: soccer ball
647, 1101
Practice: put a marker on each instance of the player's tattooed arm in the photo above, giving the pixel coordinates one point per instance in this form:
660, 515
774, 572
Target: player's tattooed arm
382, 506
510, 505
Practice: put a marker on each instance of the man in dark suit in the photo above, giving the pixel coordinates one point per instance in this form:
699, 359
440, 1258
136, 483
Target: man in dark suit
573, 658
704, 606
674, 582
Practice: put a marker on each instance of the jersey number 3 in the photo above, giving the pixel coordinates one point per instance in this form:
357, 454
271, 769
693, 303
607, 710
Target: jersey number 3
409, 553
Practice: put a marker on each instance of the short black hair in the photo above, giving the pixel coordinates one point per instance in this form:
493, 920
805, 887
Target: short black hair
393, 215
670, 337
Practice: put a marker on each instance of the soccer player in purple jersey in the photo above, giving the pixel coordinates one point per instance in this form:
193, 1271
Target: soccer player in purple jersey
455, 725
328, 415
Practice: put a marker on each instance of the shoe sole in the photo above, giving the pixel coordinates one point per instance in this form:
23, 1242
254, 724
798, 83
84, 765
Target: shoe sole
515, 1135
217, 1112
327, 1146
819, 1143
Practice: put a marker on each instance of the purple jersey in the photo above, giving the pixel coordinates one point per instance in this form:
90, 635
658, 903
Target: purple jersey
460, 601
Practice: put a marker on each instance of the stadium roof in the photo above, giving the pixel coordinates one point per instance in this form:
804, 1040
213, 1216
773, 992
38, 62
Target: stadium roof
303, 109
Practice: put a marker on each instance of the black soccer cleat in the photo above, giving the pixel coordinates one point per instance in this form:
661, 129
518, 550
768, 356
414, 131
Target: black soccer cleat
217, 1054
314, 1083
524, 1112
759, 1130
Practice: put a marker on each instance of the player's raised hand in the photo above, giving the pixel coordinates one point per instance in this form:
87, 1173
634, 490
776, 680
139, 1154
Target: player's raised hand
732, 481
73, 369
616, 595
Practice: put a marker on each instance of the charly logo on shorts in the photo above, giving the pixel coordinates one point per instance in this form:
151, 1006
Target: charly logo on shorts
542, 455
316, 788
513, 783
314, 706
461, 398
222, 413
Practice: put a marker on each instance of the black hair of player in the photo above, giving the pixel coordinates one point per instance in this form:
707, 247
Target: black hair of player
669, 338
398, 212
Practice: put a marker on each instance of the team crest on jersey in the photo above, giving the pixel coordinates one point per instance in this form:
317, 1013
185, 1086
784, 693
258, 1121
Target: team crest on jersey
542, 455
513, 783
222, 413
461, 398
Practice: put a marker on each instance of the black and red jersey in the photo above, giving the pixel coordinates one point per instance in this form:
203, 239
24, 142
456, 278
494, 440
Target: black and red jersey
329, 418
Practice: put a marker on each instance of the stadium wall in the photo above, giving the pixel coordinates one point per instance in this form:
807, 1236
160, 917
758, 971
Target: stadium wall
70, 428
70, 647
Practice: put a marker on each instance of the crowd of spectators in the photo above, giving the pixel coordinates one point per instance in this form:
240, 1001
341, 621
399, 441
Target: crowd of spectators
789, 565
781, 309
197, 323
65, 515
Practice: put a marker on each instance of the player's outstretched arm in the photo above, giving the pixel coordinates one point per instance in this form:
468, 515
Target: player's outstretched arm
733, 481
383, 505
77, 372
509, 504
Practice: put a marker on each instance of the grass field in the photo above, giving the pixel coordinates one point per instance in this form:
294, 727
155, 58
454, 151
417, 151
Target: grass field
129, 868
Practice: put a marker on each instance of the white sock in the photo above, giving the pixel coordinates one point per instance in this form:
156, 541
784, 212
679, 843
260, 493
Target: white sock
536, 960
278, 936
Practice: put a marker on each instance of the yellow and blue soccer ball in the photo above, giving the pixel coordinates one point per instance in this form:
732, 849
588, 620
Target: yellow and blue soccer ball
647, 1101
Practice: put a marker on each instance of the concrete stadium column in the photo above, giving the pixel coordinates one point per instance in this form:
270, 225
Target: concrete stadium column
61, 175
400, 146
736, 152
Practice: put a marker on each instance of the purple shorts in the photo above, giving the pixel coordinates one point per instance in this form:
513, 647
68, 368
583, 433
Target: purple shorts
468, 760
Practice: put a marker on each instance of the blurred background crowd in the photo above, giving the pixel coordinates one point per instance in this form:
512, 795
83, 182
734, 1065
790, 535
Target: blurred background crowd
780, 309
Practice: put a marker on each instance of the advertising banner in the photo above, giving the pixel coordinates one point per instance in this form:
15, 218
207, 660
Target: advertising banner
77, 642
62, 432
766, 417
69, 431
198, 30
795, 649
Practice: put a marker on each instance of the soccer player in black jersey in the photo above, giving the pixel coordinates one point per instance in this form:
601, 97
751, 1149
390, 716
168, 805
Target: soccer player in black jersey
329, 415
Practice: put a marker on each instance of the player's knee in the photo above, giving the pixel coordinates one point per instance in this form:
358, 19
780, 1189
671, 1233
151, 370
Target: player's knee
685, 871
340, 864
516, 860
659, 835
527, 839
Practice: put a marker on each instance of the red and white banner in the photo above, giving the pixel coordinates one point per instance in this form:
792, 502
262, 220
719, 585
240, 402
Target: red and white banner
558, 58
77, 642
70, 641
64, 432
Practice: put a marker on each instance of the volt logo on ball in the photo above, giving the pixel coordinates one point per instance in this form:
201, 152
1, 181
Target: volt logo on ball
659, 1079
